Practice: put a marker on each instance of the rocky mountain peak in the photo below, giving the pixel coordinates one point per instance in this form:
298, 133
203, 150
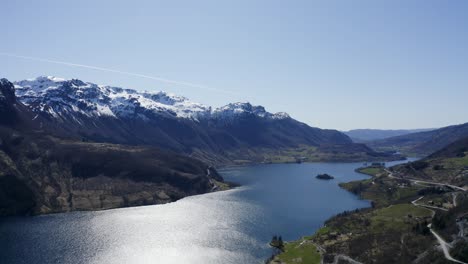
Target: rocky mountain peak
58, 97
7, 91
8, 114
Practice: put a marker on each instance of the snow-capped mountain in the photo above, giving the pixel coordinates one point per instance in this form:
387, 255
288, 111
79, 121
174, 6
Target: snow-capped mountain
99, 113
39, 169
235, 109
61, 98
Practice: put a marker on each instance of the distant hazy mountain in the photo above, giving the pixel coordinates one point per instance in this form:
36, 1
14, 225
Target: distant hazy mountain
237, 131
423, 143
364, 135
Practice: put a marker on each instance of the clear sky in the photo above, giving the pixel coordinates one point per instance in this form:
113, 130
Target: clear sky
331, 64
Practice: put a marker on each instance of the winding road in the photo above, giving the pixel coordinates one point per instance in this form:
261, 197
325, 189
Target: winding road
390, 174
346, 258
427, 206
443, 244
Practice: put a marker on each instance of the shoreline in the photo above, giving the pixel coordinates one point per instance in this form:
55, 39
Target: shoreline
229, 166
372, 233
232, 186
307, 162
219, 186
311, 243
273, 258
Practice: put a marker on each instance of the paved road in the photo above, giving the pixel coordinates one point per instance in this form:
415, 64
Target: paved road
427, 206
344, 257
443, 244
461, 228
454, 195
390, 174
445, 247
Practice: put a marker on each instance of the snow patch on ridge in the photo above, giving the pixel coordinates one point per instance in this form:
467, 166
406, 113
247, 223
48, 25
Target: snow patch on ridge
60, 97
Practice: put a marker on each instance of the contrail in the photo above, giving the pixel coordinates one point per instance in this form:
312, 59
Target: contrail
164, 80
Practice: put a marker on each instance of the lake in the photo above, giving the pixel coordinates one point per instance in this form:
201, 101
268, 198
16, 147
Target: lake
234, 226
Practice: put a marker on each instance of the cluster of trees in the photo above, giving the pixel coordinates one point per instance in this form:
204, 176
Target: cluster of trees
431, 190
421, 228
460, 251
419, 165
324, 176
277, 242
347, 213
461, 151
445, 222
358, 188
440, 220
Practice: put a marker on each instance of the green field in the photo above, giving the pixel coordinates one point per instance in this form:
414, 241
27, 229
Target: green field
373, 171
397, 217
295, 252
381, 189
302, 153
456, 162
399, 211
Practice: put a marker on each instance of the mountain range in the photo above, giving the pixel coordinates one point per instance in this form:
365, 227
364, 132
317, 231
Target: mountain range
422, 143
447, 165
234, 132
70, 145
44, 173
366, 135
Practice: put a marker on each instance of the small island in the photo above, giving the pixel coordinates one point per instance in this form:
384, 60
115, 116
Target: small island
324, 177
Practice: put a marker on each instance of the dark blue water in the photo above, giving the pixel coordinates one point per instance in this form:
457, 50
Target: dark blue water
224, 227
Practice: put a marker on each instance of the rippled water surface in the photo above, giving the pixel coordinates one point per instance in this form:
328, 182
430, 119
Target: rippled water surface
224, 227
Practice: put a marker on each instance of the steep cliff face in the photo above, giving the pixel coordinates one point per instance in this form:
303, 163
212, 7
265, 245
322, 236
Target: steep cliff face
40, 173
52, 175
7, 103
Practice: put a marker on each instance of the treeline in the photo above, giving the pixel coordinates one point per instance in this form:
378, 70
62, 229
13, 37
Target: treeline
432, 190
445, 221
417, 165
277, 242
421, 228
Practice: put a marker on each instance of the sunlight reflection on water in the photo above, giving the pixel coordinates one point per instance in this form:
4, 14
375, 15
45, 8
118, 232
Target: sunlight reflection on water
225, 227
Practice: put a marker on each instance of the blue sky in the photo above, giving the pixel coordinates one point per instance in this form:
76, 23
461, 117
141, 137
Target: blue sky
331, 64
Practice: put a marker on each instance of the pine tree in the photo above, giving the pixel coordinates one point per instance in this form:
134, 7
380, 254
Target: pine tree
280, 242
274, 241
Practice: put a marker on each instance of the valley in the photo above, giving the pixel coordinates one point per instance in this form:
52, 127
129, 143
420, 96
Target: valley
368, 135
237, 132
67, 145
422, 143
234, 132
